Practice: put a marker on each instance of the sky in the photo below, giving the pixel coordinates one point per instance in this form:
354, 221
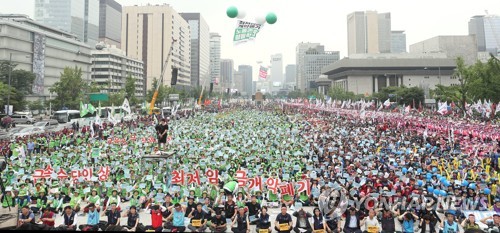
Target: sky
321, 21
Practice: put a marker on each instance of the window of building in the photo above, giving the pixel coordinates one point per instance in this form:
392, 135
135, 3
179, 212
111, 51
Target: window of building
426, 77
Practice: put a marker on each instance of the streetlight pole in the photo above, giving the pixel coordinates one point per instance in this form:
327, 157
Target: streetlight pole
439, 74
10, 75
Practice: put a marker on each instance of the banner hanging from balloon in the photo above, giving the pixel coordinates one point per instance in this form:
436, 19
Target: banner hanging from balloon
246, 31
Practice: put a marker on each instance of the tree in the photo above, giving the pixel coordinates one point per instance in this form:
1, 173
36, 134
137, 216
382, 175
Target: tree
295, 94
70, 89
411, 96
21, 83
130, 90
338, 93
36, 105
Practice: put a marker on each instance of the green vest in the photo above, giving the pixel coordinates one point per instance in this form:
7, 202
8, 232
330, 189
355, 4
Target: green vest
113, 199
55, 203
74, 200
7, 199
40, 204
94, 199
23, 191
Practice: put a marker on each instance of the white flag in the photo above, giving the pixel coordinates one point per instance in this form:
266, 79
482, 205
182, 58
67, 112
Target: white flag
387, 103
91, 129
98, 120
126, 106
111, 118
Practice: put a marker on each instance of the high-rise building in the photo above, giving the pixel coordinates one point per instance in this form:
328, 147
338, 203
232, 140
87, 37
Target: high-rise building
238, 79
215, 60
487, 32
43, 50
110, 22
226, 73
277, 68
147, 34
200, 49
368, 32
314, 60
78, 17
111, 68
398, 42
290, 73
246, 70
300, 51
452, 46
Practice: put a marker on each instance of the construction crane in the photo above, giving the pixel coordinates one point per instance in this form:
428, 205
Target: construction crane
488, 17
155, 95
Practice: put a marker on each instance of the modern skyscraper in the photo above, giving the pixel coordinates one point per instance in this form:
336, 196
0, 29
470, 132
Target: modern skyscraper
215, 60
300, 51
290, 73
487, 32
398, 42
277, 68
147, 34
226, 73
246, 70
200, 49
369, 32
314, 60
110, 22
79, 17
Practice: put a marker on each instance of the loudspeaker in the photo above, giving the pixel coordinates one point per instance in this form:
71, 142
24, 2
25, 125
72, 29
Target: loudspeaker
175, 71
211, 87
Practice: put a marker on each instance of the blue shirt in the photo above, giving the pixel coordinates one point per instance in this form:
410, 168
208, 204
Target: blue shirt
31, 145
453, 228
408, 226
93, 218
178, 220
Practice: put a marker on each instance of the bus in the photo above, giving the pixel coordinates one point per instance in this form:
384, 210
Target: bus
65, 116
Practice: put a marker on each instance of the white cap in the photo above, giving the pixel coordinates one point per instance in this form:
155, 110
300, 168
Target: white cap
8, 189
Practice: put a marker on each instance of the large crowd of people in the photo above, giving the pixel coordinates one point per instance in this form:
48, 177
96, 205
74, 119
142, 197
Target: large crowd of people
329, 170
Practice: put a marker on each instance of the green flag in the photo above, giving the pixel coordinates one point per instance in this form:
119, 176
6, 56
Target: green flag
90, 108
83, 110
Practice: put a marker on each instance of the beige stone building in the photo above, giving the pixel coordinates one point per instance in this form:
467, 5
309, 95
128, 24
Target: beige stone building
147, 33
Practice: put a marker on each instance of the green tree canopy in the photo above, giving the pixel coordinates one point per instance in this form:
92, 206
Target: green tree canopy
21, 85
70, 89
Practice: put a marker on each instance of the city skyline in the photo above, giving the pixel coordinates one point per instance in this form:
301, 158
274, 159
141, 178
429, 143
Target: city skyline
290, 30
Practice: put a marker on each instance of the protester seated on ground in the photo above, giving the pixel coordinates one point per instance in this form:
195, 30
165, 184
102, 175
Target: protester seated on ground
198, 219
70, 220
133, 219
240, 223
263, 221
319, 222
469, 223
253, 209
371, 223
26, 217
218, 223
93, 199
177, 218
352, 223
494, 220
156, 217
8, 199
92, 219
75, 201
426, 225
302, 223
48, 217
283, 222
112, 214
450, 224
41, 202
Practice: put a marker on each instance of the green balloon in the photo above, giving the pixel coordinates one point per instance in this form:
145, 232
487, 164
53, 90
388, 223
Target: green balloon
271, 18
232, 12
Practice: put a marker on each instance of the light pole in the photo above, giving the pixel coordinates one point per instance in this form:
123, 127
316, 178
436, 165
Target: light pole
8, 94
